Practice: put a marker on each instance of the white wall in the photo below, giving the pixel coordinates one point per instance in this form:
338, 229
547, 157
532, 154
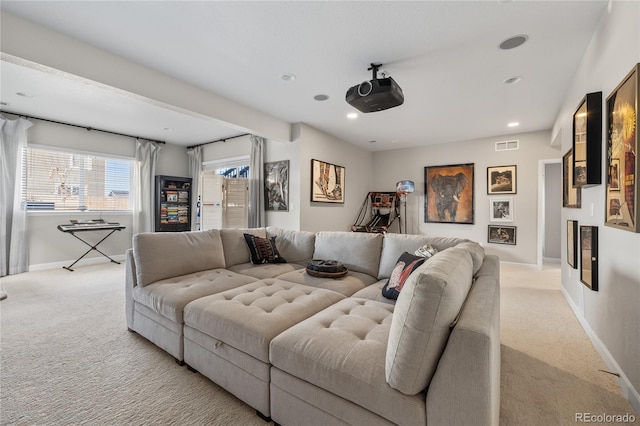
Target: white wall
409, 163
612, 314
318, 145
49, 246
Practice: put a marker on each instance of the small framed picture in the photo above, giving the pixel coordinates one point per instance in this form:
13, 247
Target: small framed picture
589, 256
501, 180
501, 209
502, 234
172, 196
571, 194
614, 175
572, 243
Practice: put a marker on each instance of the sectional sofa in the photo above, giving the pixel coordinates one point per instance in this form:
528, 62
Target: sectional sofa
303, 349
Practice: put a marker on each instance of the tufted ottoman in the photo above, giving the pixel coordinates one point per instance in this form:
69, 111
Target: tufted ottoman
334, 362
227, 335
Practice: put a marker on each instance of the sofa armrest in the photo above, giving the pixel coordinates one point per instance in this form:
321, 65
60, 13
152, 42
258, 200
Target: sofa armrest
130, 282
465, 389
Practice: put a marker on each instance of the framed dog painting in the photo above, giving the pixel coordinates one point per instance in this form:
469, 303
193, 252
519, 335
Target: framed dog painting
448, 194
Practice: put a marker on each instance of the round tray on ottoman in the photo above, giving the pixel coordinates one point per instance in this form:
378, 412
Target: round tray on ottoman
326, 268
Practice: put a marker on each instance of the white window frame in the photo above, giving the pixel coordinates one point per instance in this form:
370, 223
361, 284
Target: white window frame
101, 155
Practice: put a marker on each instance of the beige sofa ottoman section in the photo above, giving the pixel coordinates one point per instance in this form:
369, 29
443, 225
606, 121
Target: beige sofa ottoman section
347, 285
342, 351
245, 320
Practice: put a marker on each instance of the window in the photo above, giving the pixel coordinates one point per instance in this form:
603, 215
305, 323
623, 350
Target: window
57, 179
235, 167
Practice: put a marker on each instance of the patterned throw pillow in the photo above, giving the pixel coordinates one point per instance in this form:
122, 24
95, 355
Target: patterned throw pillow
263, 250
406, 264
426, 250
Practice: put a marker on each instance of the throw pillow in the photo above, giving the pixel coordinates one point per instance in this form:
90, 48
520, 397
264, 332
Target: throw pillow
263, 250
406, 264
426, 250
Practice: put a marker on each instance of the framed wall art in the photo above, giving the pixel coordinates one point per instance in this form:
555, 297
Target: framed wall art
449, 195
622, 192
499, 234
276, 186
587, 141
501, 209
572, 243
571, 195
501, 180
589, 256
327, 182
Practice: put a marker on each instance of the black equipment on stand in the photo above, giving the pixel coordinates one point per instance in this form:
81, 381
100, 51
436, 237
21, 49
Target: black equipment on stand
90, 225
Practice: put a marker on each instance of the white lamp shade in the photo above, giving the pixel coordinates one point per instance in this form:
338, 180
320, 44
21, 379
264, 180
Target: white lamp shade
405, 187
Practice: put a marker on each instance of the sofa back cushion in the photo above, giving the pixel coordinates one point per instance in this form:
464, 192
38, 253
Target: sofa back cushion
236, 250
426, 307
358, 251
295, 246
163, 255
395, 244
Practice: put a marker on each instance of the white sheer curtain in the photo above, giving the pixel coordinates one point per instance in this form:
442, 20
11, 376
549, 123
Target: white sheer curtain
256, 183
14, 240
195, 169
144, 175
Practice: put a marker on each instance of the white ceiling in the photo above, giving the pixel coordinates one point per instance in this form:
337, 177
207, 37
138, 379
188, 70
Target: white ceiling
444, 55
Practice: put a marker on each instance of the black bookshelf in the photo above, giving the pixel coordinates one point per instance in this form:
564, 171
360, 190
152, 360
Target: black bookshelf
173, 204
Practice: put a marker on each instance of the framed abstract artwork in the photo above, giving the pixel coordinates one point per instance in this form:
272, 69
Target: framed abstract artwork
327, 182
502, 235
571, 195
449, 195
276, 186
501, 209
622, 191
572, 243
501, 180
589, 256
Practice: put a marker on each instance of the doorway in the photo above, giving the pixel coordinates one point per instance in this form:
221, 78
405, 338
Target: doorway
549, 211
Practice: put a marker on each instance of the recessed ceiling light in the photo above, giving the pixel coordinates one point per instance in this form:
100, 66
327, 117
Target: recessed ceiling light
373, 141
168, 129
512, 80
352, 115
25, 95
513, 124
513, 42
4, 103
321, 97
288, 76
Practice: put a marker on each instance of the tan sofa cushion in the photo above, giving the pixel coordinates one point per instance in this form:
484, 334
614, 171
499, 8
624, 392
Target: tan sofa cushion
235, 246
359, 252
163, 255
168, 297
342, 350
347, 285
395, 244
428, 304
266, 270
295, 246
248, 317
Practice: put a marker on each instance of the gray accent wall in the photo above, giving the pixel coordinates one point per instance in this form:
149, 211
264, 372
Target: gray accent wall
408, 164
612, 314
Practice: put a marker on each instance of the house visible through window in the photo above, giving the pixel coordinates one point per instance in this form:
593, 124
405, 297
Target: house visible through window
56, 179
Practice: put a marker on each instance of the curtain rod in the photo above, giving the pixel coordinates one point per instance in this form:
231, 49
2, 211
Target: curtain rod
78, 126
219, 140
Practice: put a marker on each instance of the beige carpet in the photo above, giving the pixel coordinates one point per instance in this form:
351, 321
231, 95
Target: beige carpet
67, 358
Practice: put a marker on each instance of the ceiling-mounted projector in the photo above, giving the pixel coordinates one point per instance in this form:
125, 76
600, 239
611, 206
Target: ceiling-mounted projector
376, 94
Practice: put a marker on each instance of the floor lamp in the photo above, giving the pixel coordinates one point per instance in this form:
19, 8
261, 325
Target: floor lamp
403, 188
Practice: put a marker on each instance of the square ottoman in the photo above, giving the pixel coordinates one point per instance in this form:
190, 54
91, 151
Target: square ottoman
227, 335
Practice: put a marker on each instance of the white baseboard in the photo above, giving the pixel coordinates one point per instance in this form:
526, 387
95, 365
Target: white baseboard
521, 265
625, 384
83, 262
